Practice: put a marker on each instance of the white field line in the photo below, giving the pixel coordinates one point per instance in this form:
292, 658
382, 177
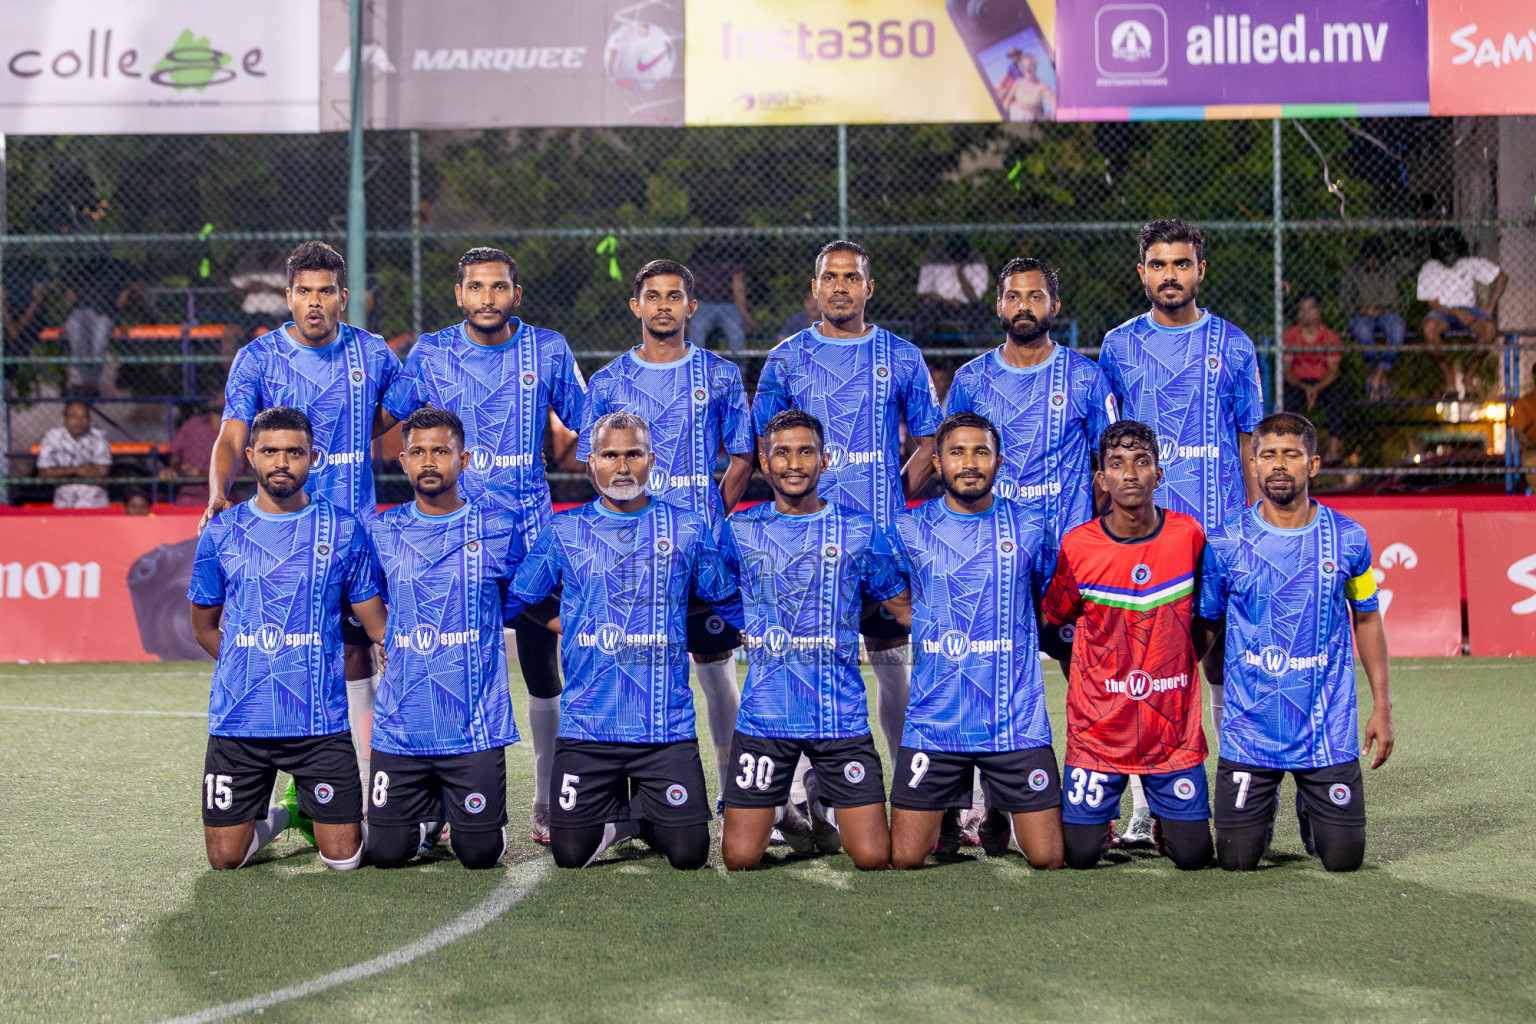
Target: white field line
106, 711
515, 887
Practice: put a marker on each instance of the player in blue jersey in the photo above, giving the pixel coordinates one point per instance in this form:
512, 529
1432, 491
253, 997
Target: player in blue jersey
268, 582
335, 374
804, 564
862, 383
625, 565
977, 566
502, 377
696, 406
1194, 379
444, 715
1290, 577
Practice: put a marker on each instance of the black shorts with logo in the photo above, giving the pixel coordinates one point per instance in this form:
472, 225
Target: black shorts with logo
879, 624
848, 771
352, 632
593, 782
406, 790
238, 773
1056, 641
1246, 795
1018, 781
707, 632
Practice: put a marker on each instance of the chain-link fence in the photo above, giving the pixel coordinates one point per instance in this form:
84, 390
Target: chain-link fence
134, 267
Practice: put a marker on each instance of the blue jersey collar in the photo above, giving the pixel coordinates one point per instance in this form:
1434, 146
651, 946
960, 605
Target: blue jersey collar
688, 353
279, 517
866, 336
604, 510
997, 357
514, 323
462, 511
1147, 316
341, 337
1317, 516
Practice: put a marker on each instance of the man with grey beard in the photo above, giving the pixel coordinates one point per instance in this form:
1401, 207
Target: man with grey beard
627, 762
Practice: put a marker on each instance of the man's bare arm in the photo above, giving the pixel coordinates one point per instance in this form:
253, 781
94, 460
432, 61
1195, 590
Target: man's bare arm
915, 474
207, 629
733, 484
1371, 640
228, 450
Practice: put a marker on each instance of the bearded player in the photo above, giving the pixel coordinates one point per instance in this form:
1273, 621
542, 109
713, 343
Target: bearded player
1128, 580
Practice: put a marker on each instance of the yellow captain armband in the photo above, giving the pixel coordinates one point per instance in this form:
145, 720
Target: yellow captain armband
1358, 588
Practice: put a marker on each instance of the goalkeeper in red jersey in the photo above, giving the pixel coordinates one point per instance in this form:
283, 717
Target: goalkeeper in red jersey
1128, 580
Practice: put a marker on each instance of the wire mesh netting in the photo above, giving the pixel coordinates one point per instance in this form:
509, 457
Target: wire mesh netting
135, 267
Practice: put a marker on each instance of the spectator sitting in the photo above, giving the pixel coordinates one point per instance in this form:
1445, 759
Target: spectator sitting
801, 318
1370, 294
1522, 421
136, 501
950, 284
1448, 282
720, 286
1313, 377
75, 449
188, 455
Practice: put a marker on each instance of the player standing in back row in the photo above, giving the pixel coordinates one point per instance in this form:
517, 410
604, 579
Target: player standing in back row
861, 382
1194, 379
502, 377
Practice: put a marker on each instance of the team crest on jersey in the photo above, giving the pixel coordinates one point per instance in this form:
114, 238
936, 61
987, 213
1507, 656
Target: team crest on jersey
529, 378
882, 372
324, 792
269, 638
1006, 546
663, 546
1141, 574
1039, 779
357, 376
700, 395
1058, 400
1213, 362
1184, 789
322, 549
473, 547
830, 552
677, 795
474, 803
1328, 567
1066, 633
715, 625
1340, 794
854, 772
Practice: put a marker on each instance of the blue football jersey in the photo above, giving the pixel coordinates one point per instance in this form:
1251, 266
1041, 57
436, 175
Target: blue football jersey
975, 579
803, 580
337, 387
445, 580
1051, 417
1197, 387
1290, 663
281, 580
861, 390
626, 580
502, 393
693, 405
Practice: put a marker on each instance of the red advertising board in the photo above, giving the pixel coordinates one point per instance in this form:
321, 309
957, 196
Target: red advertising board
1482, 57
98, 588
1417, 563
1501, 582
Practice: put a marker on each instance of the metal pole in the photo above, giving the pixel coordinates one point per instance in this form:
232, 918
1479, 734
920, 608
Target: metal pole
842, 180
416, 233
357, 210
1279, 274
5, 412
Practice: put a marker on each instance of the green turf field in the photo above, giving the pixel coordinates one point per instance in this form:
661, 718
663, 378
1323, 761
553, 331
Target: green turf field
110, 912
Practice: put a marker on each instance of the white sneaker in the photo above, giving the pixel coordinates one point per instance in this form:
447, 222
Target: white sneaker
1139, 831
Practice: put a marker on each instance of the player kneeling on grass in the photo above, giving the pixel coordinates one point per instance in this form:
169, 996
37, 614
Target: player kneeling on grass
276, 569
805, 565
443, 716
624, 565
977, 566
1289, 575
1128, 579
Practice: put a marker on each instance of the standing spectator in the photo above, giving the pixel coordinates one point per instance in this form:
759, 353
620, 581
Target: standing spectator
1370, 296
99, 287
21, 302
802, 318
76, 449
950, 284
1312, 377
1448, 282
190, 452
720, 285
1522, 420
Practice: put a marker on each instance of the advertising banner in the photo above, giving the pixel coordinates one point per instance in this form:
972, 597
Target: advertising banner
507, 64
1417, 563
870, 61
1127, 59
1482, 57
124, 67
107, 588
1501, 582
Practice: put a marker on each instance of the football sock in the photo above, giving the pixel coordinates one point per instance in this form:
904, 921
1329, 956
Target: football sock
392, 846
1215, 692
544, 727
893, 681
1138, 798
1186, 843
1239, 849
722, 701
613, 832
479, 850
1085, 844
1339, 847
360, 696
266, 831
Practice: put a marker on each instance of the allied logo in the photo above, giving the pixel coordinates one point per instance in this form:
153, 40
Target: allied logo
1138, 685
700, 395
357, 376
1039, 779
1273, 660
473, 547
955, 645
1167, 449
1006, 546
474, 803
1213, 362
323, 550
1058, 400
1141, 574
882, 372
831, 551
715, 625
776, 639
609, 638
269, 639
1340, 794
324, 792
1328, 567
854, 772
677, 795
529, 378
1066, 633
663, 546
424, 638
1184, 789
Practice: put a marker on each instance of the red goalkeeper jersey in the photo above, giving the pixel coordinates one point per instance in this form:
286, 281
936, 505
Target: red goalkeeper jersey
1133, 698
